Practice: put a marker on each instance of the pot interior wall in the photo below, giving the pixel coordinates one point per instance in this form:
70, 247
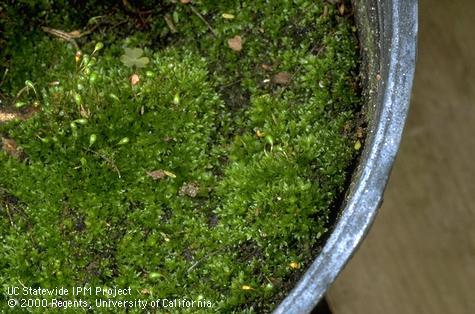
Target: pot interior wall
388, 34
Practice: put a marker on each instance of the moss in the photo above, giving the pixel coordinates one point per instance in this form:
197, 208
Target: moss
211, 177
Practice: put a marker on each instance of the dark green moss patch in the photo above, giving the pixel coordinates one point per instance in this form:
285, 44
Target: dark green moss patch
201, 171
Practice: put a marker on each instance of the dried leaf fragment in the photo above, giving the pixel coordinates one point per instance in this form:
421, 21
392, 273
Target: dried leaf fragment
157, 174
10, 147
78, 56
228, 16
26, 113
235, 43
341, 9
170, 24
190, 189
185, 1
282, 78
359, 132
85, 113
134, 79
75, 34
266, 67
160, 174
169, 174
145, 291
8, 116
259, 133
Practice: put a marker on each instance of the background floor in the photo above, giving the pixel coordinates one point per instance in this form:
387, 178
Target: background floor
420, 254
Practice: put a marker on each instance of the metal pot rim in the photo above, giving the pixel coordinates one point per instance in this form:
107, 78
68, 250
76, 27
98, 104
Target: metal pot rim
391, 28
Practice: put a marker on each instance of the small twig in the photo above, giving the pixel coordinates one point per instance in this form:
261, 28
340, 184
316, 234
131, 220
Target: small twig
61, 34
71, 36
20, 92
4, 76
118, 24
203, 258
108, 160
9, 215
223, 87
170, 24
194, 265
21, 283
192, 8
315, 49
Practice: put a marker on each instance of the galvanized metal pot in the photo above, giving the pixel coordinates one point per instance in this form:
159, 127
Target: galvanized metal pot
388, 34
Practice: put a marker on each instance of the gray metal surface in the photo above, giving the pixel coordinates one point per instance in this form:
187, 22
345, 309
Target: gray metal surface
388, 31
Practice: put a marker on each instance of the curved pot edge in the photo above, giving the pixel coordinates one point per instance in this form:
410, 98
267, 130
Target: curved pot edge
397, 46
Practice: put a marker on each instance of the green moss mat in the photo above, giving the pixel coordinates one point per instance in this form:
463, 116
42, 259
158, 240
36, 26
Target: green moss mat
212, 177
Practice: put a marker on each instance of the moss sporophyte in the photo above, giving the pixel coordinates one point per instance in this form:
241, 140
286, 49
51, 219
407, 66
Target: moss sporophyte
185, 149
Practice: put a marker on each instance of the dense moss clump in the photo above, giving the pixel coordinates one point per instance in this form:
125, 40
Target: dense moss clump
201, 162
